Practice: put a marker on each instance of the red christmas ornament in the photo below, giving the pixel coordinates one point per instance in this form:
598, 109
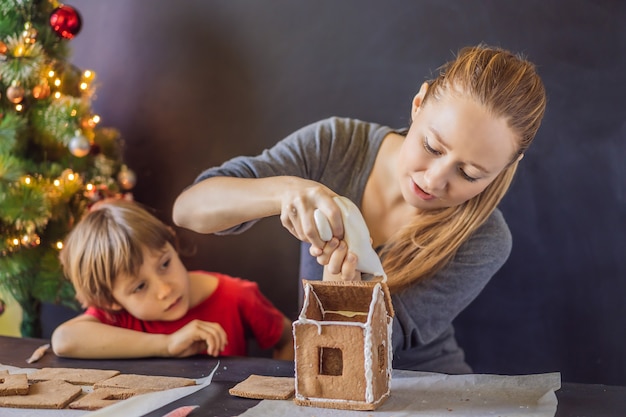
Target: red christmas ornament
65, 21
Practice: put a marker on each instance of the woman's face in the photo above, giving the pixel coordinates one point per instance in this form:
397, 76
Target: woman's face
453, 150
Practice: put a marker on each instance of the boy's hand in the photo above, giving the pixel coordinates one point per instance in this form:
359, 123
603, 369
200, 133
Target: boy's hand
197, 337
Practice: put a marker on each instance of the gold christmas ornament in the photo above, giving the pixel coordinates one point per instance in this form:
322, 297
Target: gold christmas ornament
41, 91
15, 93
126, 178
29, 34
79, 145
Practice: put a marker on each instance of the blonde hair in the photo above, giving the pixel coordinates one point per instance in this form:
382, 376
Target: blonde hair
107, 242
509, 86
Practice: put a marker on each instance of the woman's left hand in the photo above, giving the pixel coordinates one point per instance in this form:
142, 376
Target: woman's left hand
339, 263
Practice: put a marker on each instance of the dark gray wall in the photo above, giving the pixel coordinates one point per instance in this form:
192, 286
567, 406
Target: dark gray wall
192, 83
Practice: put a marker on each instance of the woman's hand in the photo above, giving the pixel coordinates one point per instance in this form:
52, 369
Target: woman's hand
197, 337
299, 201
339, 263
298, 204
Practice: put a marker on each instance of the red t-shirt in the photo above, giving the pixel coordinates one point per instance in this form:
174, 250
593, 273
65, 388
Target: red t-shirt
236, 304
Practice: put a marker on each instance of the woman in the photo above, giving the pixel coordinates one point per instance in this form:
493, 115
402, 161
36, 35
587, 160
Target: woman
429, 195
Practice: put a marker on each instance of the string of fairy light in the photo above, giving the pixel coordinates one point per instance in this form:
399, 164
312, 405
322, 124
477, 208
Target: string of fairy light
77, 135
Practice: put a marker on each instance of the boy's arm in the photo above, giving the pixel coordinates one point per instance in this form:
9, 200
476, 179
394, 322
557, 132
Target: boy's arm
284, 347
85, 337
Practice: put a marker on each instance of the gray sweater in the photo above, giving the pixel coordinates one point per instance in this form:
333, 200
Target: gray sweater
340, 154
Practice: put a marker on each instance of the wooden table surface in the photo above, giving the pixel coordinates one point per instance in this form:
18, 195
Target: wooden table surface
574, 400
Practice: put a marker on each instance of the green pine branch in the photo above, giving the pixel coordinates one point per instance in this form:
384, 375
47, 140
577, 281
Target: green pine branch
44, 188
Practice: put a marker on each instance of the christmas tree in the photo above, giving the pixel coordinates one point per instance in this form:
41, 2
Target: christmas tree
55, 160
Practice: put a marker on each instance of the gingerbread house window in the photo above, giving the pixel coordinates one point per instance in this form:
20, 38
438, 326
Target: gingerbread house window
331, 361
382, 357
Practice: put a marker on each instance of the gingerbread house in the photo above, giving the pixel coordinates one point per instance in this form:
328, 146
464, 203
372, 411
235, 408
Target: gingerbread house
343, 345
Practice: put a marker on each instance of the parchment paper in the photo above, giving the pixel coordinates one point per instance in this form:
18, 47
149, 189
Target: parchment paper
136, 406
434, 395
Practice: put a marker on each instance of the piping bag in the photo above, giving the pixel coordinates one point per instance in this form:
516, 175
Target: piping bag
356, 235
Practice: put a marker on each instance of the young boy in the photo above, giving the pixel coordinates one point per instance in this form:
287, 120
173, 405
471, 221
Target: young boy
141, 301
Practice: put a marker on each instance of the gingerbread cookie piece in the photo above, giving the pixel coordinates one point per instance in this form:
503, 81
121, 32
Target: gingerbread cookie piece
144, 382
13, 384
265, 388
74, 376
102, 397
46, 394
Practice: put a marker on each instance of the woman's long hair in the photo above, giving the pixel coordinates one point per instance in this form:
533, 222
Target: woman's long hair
509, 86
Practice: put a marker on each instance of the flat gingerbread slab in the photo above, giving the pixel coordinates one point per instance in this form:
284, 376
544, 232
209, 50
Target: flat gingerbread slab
144, 382
101, 398
265, 388
74, 376
45, 394
13, 384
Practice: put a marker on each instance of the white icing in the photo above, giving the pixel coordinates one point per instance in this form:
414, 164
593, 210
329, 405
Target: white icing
367, 365
302, 317
367, 348
336, 400
389, 347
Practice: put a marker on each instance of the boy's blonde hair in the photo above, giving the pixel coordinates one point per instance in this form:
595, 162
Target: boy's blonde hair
107, 242
509, 86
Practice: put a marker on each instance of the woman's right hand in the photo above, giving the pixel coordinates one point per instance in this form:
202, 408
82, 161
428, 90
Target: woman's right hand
299, 200
298, 204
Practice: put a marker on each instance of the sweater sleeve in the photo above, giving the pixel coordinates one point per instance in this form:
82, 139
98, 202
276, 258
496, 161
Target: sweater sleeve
330, 151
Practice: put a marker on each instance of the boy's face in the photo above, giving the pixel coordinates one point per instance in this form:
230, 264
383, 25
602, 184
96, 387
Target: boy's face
160, 291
